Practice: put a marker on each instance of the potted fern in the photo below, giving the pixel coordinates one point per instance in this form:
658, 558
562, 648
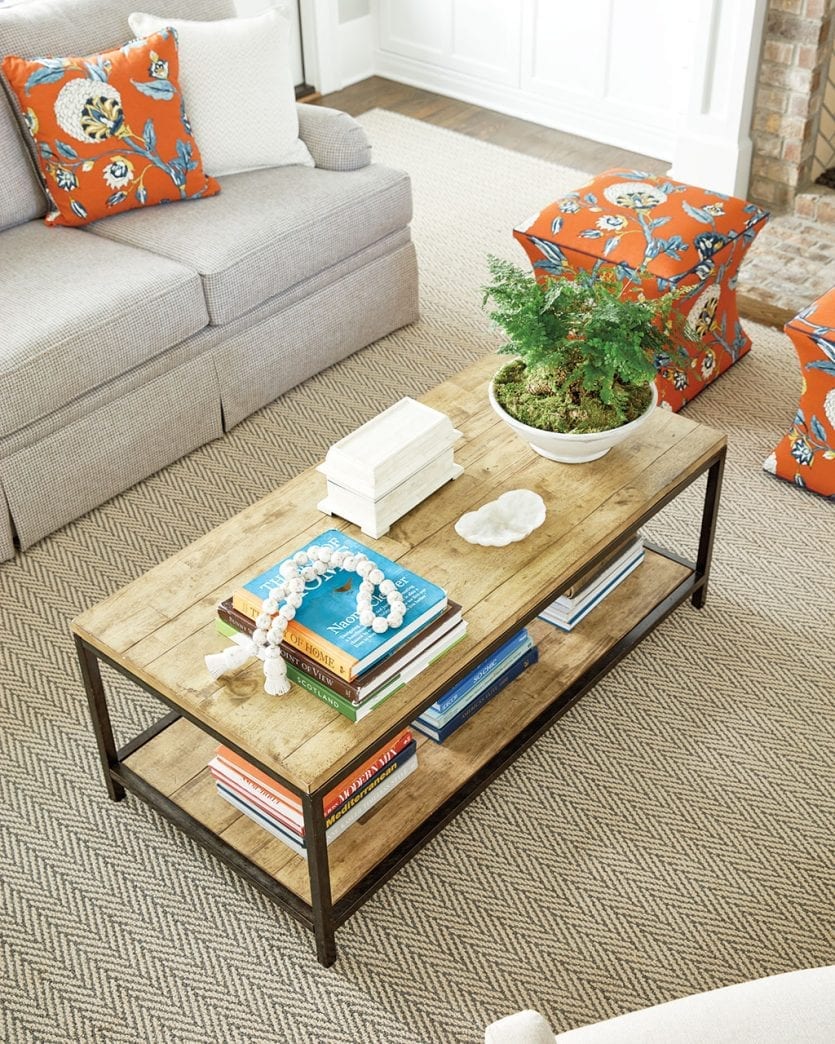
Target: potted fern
585, 344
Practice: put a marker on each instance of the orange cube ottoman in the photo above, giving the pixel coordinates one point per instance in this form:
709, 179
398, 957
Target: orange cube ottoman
806, 455
675, 235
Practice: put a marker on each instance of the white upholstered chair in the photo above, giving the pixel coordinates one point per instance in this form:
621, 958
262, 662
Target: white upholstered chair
794, 1008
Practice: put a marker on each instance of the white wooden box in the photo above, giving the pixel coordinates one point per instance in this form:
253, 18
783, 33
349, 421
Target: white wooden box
389, 448
389, 465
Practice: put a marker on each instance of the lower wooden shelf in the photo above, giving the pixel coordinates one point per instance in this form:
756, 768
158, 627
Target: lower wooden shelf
174, 762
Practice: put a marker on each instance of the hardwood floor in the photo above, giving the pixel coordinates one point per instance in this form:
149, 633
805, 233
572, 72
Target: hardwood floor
488, 125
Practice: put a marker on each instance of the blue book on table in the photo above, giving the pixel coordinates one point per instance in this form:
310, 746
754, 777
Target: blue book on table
495, 687
458, 691
326, 625
471, 685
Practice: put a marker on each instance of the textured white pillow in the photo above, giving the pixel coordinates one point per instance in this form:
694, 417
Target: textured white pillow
238, 90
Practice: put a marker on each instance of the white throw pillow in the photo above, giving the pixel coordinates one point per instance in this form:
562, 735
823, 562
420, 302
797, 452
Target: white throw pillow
238, 90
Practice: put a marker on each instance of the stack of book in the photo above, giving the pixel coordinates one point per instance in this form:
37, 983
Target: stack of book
389, 465
279, 811
329, 653
571, 607
460, 703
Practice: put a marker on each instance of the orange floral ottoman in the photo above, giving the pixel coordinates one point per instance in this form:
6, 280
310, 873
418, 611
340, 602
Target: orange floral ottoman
677, 236
806, 455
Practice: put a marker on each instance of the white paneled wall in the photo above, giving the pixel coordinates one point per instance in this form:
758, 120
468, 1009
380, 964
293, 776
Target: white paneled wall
668, 78
602, 68
477, 38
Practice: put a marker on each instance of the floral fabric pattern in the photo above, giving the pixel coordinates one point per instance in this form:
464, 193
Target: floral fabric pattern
681, 235
806, 454
110, 130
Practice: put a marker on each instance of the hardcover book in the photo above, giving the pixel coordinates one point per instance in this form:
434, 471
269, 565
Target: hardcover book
479, 679
404, 661
357, 711
567, 620
384, 788
326, 626
487, 694
514, 645
292, 820
227, 759
571, 594
581, 593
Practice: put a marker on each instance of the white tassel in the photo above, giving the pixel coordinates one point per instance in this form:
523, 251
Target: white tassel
231, 657
275, 677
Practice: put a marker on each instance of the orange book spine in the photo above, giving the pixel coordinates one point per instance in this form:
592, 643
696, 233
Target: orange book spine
302, 638
244, 767
335, 797
320, 650
246, 603
342, 791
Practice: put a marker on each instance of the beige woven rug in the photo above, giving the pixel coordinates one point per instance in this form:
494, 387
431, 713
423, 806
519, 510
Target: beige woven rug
673, 833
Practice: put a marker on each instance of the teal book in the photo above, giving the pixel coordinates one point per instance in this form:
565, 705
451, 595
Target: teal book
326, 626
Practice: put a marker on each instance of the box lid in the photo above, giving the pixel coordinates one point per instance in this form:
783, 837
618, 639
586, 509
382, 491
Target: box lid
631, 219
391, 446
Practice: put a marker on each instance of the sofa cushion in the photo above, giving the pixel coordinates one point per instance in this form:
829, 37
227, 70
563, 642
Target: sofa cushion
268, 136
269, 229
110, 130
63, 27
76, 310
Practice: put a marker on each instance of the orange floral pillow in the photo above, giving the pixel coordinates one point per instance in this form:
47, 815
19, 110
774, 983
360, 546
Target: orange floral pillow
110, 130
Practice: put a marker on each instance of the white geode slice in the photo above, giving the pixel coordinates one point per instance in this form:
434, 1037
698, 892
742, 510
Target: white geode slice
512, 517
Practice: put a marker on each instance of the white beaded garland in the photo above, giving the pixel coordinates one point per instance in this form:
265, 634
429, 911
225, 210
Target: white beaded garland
280, 606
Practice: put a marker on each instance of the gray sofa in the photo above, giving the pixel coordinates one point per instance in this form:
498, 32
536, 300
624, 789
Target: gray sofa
130, 342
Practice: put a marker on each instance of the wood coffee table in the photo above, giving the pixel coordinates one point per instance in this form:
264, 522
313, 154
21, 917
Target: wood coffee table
156, 631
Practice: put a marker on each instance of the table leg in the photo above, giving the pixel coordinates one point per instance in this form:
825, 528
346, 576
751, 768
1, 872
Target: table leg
708, 530
97, 702
320, 881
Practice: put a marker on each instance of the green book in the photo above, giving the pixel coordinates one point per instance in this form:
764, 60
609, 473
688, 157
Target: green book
355, 712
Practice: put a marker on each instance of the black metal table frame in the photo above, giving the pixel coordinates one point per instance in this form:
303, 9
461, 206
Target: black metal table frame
322, 915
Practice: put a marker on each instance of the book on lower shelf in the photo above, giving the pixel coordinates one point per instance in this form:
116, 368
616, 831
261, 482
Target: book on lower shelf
567, 611
477, 688
279, 811
326, 626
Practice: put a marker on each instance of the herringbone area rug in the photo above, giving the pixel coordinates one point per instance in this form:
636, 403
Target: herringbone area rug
673, 833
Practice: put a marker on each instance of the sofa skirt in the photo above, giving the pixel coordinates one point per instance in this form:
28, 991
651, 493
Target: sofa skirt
260, 363
82, 465
120, 433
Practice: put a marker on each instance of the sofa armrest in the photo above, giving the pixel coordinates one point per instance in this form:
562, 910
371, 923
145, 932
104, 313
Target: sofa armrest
335, 139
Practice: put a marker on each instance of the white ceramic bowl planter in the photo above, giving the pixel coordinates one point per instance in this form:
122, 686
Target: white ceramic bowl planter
573, 449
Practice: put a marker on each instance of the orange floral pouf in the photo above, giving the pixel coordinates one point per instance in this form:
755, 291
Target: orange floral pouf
674, 235
806, 455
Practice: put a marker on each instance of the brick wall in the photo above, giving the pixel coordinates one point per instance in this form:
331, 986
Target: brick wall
797, 51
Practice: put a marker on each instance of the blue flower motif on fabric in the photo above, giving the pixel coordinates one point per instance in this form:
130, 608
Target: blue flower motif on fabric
709, 243
65, 179
801, 449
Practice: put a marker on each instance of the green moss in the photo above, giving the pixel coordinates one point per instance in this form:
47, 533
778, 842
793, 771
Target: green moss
542, 399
